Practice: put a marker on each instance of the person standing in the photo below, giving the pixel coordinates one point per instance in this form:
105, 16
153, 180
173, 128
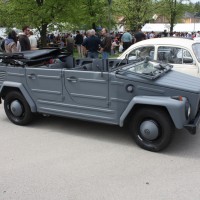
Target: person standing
151, 35
105, 44
10, 43
78, 42
139, 36
33, 41
23, 39
70, 44
91, 44
165, 34
127, 40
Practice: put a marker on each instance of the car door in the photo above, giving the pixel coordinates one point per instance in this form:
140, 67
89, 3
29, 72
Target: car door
89, 88
45, 84
180, 58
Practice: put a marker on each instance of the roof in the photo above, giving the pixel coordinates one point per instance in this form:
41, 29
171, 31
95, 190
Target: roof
168, 40
183, 42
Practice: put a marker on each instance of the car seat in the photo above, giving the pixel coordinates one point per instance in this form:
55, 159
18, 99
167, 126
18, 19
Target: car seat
98, 65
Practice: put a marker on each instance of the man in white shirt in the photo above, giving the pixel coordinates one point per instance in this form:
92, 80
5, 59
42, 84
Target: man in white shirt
127, 40
33, 41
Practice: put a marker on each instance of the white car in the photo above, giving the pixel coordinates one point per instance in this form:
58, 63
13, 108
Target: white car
182, 53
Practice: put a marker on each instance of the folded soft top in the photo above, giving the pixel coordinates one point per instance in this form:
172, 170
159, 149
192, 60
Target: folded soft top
32, 55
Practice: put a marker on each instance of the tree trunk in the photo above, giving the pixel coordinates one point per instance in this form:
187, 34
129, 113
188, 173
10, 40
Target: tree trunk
43, 35
94, 26
173, 16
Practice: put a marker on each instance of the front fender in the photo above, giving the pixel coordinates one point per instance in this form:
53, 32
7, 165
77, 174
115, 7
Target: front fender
175, 108
8, 84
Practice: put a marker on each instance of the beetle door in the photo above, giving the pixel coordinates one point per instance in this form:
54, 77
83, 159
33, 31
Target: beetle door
180, 58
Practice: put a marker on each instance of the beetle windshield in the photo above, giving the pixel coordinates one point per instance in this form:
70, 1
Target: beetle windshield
196, 49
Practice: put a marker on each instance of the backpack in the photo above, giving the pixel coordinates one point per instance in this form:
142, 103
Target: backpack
3, 45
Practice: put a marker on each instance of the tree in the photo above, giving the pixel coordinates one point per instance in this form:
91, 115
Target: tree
36, 13
136, 12
173, 10
92, 13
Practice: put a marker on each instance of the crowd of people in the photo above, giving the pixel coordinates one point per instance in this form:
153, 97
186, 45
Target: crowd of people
22, 42
89, 44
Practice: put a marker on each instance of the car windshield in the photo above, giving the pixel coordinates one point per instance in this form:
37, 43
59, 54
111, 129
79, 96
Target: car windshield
147, 69
196, 49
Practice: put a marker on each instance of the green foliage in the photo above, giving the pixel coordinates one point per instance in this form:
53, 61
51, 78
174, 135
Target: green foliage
36, 13
173, 10
90, 14
87, 14
136, 12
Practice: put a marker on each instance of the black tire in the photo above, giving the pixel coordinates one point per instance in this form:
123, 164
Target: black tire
152, 128
24, 116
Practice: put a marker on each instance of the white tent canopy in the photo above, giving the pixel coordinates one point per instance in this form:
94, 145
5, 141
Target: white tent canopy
193, 27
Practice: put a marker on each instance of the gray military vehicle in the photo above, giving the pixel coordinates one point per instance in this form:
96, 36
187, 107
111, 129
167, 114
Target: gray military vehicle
148, 96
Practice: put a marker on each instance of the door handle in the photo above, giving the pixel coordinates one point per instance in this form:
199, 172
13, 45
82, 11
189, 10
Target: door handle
72, 79
31, 76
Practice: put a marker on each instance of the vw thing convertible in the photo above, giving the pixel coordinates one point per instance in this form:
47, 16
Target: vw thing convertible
148, 96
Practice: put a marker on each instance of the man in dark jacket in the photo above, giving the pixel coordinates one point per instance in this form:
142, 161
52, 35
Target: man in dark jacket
23, 39
105, 44
91, 44
78, 42
139, 36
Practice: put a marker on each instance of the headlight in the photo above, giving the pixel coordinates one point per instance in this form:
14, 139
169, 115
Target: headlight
187, 110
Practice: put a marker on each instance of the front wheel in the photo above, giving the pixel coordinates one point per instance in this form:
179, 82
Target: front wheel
152, 128
17, 109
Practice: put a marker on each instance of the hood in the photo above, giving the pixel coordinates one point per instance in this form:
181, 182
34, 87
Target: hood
178, 80
172, 79
8, 41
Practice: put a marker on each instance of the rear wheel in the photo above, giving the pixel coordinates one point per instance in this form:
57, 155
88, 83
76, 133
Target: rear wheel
152, 129
17, 109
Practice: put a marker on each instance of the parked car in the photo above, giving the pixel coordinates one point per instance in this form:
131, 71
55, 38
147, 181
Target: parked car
182, 53
148, 96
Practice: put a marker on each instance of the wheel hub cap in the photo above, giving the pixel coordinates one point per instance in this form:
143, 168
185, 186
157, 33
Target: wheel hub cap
149, 130
16, 108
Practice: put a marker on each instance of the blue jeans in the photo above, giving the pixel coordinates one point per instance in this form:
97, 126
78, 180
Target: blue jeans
105, 55
92, 54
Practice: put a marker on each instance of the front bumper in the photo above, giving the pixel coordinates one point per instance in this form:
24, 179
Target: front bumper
192, 127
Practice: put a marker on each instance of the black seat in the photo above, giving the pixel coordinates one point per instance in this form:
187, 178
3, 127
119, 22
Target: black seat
98, 65
57, 65
69, 61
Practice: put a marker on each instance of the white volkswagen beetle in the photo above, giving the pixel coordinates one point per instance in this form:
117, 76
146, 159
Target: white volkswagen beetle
182, 53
